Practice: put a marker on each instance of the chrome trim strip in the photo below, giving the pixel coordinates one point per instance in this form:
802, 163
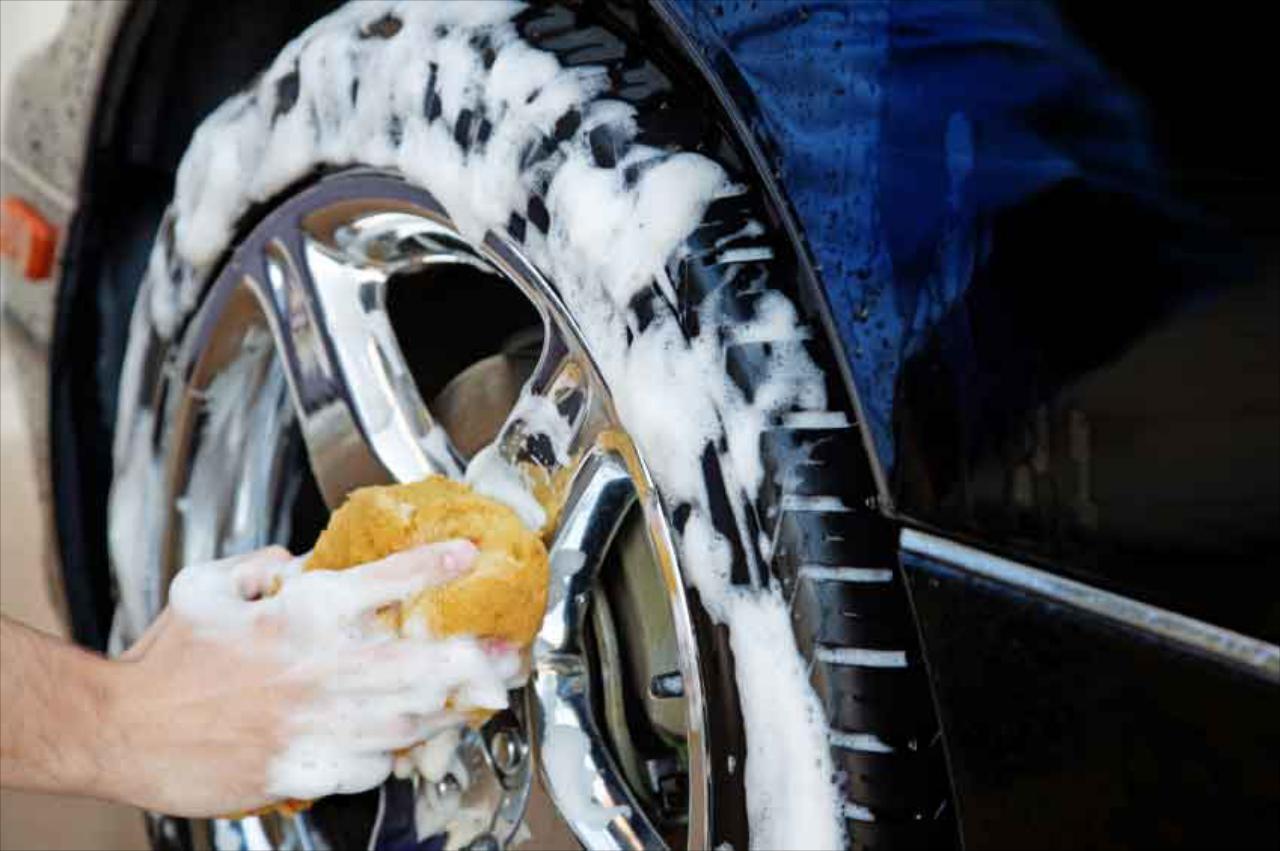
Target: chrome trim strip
860, 575
1251, 653
857, 812
862, 742
861, 657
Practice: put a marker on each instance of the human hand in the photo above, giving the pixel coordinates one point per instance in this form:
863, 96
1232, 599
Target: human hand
234, 700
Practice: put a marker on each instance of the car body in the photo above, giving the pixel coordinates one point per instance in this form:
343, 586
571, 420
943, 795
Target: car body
1048, 261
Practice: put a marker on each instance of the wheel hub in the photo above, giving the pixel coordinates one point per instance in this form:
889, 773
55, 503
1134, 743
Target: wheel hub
295, 336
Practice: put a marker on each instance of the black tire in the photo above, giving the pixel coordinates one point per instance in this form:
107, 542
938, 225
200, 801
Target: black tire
830, 551
810, 466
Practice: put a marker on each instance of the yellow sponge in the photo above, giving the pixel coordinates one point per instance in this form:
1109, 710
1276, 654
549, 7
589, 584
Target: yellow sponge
502, 597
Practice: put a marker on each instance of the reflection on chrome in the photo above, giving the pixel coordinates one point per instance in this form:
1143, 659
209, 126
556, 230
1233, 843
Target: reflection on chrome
295, 329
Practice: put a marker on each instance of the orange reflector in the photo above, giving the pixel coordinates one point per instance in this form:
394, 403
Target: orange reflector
26, 238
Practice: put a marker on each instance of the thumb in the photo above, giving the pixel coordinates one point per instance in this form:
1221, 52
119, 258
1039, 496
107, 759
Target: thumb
140, 647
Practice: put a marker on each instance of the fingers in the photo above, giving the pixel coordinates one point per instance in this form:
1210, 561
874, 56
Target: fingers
317, 601
338, 609
427, 565
312, 768
434, 757
396, 577
260, 573
364, 773
497, 646
207, 594
487, 689
401, 664
370, 726
419, 676
343, 746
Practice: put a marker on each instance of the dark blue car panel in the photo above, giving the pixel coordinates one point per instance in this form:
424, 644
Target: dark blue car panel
875, 108
1048, 242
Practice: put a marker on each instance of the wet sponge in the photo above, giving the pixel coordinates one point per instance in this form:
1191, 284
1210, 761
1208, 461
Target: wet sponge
502, 597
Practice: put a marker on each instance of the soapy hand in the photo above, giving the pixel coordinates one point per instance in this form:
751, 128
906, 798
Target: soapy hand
261, 683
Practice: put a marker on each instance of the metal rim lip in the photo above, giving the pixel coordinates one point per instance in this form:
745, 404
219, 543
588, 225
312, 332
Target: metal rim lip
305, 294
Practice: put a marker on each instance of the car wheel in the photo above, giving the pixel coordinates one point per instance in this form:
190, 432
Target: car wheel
510, 245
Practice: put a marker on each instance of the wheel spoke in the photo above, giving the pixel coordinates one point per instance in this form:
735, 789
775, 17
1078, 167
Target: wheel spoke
299, 310
557, 421
600, 497
581, 775
360, 413
560, 440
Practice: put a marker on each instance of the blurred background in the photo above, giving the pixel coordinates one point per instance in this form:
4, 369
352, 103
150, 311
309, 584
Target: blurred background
30, 821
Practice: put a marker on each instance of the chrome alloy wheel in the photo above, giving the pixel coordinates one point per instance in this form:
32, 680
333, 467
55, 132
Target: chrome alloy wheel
295, 354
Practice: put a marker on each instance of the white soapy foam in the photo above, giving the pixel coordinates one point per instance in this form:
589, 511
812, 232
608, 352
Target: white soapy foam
491, 474
440, 809
775, 321
795, 766
436, 815
750, 230
606, 236
138, 477
608, 241
540, 415
134, 555
566, 763
434, 757
231, 435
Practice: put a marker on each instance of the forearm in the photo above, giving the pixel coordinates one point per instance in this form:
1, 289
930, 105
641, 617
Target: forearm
53, 699
226, 700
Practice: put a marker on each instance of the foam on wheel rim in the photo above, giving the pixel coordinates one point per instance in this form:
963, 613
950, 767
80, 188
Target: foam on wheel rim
777, 539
